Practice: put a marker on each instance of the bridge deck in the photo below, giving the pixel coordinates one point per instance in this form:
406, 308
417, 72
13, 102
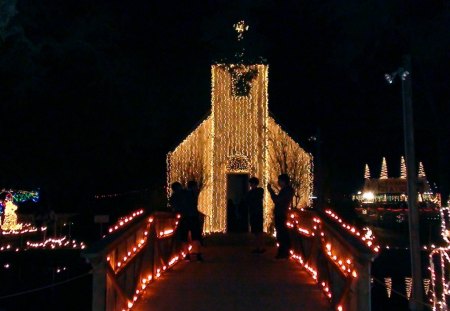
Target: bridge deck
231, 278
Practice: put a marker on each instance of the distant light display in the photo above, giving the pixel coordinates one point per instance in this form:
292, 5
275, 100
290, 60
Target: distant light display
10, 219
8, 208
20, 196
50, 244
393, 190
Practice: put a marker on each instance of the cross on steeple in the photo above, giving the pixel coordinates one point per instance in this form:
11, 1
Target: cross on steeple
240, 28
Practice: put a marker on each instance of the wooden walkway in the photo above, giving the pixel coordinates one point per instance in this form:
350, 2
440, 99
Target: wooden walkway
231, 278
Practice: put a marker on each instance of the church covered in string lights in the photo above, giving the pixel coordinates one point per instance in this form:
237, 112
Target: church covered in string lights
239, 139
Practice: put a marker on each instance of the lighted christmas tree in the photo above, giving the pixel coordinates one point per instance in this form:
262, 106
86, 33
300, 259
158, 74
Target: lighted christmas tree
402, 168
367, 172
426, 285
408, 286
421, 170
388, 285
384, 171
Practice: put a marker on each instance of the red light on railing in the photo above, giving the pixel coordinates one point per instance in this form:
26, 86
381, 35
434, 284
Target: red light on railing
125, 220
129, 254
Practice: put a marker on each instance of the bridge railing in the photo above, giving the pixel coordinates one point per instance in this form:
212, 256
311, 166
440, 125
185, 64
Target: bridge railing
337, 255
125, 262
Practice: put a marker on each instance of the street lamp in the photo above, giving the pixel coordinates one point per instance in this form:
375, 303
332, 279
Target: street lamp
413, 213
318, 180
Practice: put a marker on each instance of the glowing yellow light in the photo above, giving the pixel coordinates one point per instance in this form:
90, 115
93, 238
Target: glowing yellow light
368, 196
10, 221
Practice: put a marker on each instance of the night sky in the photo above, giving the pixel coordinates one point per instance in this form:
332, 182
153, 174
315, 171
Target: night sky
93, 94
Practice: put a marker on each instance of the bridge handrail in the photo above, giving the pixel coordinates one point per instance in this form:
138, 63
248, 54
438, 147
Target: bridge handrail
336, 254
126, 261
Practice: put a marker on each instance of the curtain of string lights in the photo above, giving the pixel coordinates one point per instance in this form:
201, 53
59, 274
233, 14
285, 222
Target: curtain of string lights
238, 137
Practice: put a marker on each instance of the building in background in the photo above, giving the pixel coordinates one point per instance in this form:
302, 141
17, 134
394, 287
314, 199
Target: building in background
383, 200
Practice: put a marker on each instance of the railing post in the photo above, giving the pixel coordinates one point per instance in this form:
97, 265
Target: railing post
98, 283
114, 287
362, 289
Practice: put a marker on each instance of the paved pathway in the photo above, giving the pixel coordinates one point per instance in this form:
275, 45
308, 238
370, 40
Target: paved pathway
231, 278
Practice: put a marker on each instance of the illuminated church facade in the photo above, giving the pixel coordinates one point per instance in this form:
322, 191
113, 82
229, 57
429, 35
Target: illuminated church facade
239, 139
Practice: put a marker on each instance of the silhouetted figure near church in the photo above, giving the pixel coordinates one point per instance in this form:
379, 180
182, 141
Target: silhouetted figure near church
178, 202
193, 218
282, 201
254, 203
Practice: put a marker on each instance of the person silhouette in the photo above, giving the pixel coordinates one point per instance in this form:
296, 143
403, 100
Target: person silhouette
178, 202
193, 218
254, 203
282, 201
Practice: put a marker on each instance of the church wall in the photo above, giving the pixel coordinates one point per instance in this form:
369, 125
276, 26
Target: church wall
286, 156
191, 160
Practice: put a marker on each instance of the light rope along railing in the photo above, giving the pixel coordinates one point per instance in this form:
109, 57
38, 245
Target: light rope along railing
337, 255
127, 261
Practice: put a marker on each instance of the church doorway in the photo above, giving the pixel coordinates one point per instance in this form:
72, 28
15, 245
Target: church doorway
237, 214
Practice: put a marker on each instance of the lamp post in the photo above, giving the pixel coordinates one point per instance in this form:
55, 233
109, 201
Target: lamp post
318, 181
411, 174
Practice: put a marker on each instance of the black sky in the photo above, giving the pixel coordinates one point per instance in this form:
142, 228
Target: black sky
94, 93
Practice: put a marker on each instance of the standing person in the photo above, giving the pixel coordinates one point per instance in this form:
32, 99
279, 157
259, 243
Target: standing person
193, 218
282, 201
179, 204
254, 202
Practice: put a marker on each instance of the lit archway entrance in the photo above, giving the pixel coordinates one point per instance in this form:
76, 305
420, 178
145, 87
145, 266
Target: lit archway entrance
238, 174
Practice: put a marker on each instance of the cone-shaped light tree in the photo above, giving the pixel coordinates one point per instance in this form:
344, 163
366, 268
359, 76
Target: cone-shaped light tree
384, 170
402, 168
367, 172
421, 170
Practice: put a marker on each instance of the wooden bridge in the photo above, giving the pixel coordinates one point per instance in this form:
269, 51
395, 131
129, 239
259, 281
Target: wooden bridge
140, 267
